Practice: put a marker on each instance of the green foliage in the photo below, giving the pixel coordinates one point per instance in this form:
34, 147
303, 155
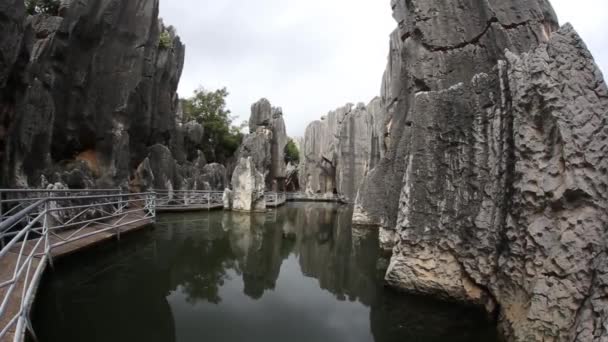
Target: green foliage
50, 7
165, 40
208, 108
30, 6
291, 153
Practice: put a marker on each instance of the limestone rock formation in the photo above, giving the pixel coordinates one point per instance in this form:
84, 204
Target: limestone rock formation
341, 148
257, 146
493, 186
12, 14
266, 143
193, 138
227, 199
161, 171
214, 177
92, 87
261, 115
163, 168
248, 187
292, 183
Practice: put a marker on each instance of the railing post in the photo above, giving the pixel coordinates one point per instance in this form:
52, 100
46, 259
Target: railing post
1, 206
120, 202
208, 201
30, 328
114, 216
153, 205
46, 232
1, 218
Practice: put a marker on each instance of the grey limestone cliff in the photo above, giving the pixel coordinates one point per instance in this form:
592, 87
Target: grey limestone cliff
86, 93
247, 187
492, 190
340, 149
265, 143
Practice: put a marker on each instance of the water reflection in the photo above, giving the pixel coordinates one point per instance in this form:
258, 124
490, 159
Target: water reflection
299, 273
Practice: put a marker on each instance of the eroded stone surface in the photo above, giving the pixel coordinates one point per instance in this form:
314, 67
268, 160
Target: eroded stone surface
91, 85
341, 148
438, 45
12, 16
248, 187
493, 187
266, 143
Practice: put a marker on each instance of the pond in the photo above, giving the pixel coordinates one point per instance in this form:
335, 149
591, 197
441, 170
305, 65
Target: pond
299, 273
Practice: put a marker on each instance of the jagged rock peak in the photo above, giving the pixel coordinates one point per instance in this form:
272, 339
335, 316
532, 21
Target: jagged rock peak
341, 148
493, 187
436, 46
266, 142
94, 85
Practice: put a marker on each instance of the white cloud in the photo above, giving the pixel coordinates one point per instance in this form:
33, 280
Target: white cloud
310, 56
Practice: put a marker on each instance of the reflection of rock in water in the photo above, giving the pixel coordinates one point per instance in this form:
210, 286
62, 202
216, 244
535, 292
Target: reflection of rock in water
328, 253
258, 249
398, 317
197, 253
191, 257
63, 287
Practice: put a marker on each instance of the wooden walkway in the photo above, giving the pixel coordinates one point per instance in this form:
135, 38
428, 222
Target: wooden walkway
9, 262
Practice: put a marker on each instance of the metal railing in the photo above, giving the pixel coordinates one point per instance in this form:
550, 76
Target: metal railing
325, 197
275, 198
29, 235
179, 199
14, 200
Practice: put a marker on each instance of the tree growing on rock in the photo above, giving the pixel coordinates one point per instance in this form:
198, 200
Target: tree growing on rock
165, 40
292, 154
222, 138
50, 7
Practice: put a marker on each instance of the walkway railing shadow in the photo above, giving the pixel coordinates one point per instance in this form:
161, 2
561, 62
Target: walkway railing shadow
36, 225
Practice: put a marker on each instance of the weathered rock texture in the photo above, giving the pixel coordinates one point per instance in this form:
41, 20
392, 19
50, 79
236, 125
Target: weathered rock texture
341, 148
292, 181
266, 142
493, 189
89, 93
161, 171
12, 14
247, 186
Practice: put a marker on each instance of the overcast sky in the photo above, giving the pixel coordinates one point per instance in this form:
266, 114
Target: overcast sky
310, 56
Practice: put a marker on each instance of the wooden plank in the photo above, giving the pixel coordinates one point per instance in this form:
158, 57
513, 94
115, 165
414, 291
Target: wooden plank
8, 337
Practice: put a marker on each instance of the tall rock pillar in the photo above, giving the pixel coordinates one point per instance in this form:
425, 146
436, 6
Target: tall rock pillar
493, 189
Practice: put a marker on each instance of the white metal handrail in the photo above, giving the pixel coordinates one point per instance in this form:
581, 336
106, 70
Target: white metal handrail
30, 236
320, 197
14, 200
171, 199
275, 198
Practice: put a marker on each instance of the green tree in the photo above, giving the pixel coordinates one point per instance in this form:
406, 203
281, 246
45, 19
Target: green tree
291, 152
50, 7
165, 41
208, 108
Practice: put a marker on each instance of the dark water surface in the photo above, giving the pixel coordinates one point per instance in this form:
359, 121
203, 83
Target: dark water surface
296, 274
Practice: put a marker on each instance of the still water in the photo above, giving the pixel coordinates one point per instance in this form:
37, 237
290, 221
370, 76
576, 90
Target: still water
300, 274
